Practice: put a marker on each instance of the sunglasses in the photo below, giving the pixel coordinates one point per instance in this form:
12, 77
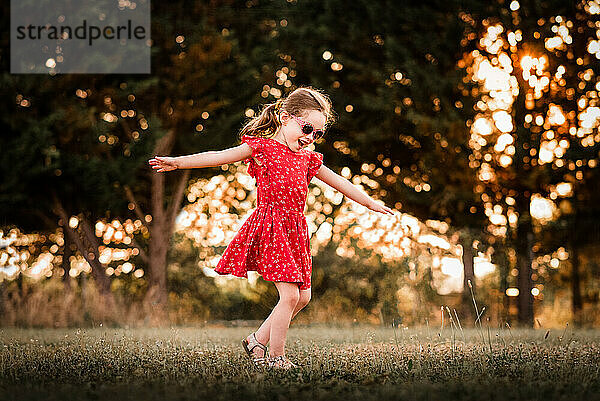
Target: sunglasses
307, 128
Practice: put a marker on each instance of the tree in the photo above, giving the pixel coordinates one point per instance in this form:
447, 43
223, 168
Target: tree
88, 152
535, 70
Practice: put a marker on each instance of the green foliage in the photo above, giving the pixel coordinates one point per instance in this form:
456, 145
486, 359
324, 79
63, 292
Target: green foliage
365, 288
195, 297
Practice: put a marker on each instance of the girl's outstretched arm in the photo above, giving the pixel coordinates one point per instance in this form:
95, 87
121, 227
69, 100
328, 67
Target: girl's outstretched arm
338, 182
203, 159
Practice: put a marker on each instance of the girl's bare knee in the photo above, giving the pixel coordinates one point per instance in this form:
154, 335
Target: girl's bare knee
290, 300
288, 294
304, 299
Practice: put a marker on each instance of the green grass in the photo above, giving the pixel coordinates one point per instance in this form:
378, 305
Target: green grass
359, 362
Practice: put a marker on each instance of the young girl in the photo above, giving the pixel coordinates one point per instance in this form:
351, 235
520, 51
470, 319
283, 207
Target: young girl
274, 240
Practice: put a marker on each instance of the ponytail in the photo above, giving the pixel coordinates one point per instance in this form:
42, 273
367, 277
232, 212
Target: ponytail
266, 123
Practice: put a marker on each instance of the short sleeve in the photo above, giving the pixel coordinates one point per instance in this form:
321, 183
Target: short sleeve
314, 163
257, 144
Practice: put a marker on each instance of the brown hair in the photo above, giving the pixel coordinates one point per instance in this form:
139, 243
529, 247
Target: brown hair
297, 103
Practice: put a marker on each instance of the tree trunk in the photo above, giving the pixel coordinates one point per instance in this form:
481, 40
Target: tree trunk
524, 259
577, 303
2, 300
468, 276
66, 263
98, 268
156, 298
504, 267
83, 288
161, 229
88, 247
524, 180
20, 286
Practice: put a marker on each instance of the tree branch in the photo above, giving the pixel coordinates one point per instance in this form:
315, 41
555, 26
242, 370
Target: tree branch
142, 253
177, 198
49, 222
163, 145
136, 206
125, 127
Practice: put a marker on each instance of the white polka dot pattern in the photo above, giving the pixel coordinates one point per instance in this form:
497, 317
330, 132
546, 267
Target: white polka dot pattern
274, 240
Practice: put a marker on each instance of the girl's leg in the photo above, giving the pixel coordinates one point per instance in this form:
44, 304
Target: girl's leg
263, 334
280, 317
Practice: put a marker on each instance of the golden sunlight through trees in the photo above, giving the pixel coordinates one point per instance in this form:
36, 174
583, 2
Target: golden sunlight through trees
219, 206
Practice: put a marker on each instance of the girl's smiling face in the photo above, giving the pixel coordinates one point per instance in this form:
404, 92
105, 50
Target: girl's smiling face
290, 132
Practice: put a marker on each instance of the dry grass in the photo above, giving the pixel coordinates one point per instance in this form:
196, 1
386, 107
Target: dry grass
337, 363
53, 306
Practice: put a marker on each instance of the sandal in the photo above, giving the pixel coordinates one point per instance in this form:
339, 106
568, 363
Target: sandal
280, 362
250, 345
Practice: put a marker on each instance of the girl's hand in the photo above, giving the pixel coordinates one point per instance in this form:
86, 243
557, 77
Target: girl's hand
163, 163
376, 207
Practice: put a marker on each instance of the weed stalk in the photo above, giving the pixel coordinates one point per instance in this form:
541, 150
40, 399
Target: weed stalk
460, 326
452, 327
489, 336
476, 310
510, 331
442, 314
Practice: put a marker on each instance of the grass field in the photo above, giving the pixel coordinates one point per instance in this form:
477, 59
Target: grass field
356, 362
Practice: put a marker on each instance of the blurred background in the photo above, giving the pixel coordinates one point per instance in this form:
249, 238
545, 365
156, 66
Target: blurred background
477, 120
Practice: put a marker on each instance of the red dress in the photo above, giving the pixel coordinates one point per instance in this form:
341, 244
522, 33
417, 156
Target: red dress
274, 240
